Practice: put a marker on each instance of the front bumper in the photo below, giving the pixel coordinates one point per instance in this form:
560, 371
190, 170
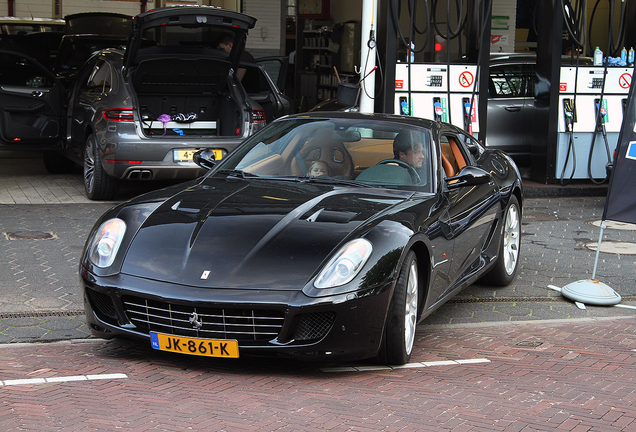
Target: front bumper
284, 323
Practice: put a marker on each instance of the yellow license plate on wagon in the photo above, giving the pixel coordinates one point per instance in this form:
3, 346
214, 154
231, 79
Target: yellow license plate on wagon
187, 155
195, 346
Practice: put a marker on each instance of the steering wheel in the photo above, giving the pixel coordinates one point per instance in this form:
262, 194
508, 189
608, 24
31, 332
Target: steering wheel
415, 177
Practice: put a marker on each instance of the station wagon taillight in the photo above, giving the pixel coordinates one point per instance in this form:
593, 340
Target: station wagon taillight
119, 114
258, 116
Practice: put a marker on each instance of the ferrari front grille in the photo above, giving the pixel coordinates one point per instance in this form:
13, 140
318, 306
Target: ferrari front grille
206, 322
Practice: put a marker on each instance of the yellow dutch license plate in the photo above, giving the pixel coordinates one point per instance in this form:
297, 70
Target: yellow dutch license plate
187, 155
195, 346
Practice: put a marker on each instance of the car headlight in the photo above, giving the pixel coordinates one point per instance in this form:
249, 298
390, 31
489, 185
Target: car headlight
105, 244
345, 265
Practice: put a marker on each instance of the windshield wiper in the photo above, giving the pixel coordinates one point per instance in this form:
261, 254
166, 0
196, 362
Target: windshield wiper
331, 180
237, 173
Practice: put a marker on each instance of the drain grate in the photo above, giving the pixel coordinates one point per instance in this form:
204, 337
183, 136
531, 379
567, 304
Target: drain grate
516, 299
30, 235
504, 299
42, 314
530, 344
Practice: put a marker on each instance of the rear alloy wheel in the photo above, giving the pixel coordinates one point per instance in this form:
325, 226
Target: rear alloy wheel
505, 268
399, 333
97, 184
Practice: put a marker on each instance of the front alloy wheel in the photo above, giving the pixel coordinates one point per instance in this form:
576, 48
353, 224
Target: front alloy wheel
505, 268
512, 239
399, 333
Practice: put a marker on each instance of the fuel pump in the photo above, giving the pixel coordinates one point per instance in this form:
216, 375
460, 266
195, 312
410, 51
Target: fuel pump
592, 107
445, 89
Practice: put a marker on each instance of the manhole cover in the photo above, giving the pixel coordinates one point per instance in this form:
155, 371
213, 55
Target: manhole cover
615, 225
29, 235
614, 247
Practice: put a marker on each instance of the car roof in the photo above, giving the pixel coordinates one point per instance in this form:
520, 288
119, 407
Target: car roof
531, 58
415, 121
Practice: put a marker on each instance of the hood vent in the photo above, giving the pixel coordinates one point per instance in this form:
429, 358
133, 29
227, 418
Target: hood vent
327, 216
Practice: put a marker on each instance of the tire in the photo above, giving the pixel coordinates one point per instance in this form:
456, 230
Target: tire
97, 184
399, 331
507, 263
56, 163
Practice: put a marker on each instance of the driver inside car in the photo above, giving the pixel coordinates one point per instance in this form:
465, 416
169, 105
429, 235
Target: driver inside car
409, 147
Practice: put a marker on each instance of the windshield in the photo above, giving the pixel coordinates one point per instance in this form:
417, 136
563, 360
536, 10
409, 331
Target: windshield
369, 152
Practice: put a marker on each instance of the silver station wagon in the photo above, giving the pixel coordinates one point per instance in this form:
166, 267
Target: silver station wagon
141, 111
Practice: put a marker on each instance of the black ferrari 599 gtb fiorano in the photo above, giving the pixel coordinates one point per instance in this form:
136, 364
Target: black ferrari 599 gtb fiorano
325, 236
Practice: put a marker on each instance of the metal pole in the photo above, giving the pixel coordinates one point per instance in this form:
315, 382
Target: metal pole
598, 249
368, 47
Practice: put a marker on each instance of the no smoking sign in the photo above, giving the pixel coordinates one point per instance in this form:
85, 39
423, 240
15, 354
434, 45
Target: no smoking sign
466, 79
625, 80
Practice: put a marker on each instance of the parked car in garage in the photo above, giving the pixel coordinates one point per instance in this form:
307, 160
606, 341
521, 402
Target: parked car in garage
264, 256
143, 111
511, 93
10, 25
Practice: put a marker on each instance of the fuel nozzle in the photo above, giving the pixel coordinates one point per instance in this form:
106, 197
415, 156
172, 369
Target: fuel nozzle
601, 113
570, 114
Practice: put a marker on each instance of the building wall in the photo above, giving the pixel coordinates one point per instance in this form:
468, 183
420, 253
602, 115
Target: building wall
44, 9
266, 38
503, 26
342, 11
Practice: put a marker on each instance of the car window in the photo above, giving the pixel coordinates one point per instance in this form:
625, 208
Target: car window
17, 70
99, 80
455, 155
530, 78
506, 81
99, 23
473, 147
254, 80
274, 68
17, 26
184, 36
339, 149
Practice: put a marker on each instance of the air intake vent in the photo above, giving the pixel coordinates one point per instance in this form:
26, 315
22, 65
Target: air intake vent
102, 304
314, 326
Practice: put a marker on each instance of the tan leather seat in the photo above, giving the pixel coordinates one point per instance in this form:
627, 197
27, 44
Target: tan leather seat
459, 157
333, 153
452, 158
448, 167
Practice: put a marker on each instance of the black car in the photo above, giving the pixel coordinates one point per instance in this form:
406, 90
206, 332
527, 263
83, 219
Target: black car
312, 240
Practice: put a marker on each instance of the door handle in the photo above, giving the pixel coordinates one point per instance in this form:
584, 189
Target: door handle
513, 109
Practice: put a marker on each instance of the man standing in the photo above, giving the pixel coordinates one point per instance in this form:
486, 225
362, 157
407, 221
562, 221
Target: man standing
225, 44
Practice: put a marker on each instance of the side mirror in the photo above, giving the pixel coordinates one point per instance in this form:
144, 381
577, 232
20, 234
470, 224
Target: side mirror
469, 176
205, 159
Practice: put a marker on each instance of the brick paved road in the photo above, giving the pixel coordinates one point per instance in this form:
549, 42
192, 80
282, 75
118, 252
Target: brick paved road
486, 365
574, 376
